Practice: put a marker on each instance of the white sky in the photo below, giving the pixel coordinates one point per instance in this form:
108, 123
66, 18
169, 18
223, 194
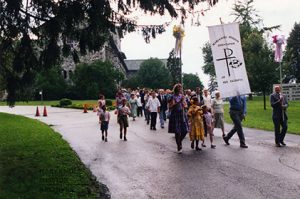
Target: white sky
273, 12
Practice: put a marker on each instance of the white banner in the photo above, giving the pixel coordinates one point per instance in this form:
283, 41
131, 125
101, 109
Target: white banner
228, 59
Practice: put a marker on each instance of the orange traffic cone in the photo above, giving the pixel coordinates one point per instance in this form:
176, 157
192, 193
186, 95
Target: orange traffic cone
45, 112
37, 113
85, 108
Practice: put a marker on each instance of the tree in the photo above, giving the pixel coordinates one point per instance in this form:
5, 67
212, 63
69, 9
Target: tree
153, 74
260, 65
132, 82
174, 65
88, 23
90, 79
191, 81
258, 56
291, 59
52, 83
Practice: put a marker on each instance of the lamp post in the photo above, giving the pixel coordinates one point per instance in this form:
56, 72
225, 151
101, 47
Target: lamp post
41, 94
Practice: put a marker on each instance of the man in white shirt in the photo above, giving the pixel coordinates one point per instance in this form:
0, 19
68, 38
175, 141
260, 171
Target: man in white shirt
206, 99
154, 108
140, 105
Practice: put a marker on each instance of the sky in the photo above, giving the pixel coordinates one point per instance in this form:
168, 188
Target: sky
273, 12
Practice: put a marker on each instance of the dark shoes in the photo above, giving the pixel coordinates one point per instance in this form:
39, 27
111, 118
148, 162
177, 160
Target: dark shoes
103, 137
203, 145
198, 149
277, 145
282, 143
226, 140
125, 139
213, 146
121, 136
244, 146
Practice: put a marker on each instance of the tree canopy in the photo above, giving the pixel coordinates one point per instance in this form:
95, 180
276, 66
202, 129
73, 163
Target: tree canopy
153, 74
90, 79
257, 53
35, 33
292, 55
191, 81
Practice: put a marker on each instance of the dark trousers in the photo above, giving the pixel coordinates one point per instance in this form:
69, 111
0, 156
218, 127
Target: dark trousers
279, 136
140, 111
147, 115
179, 137
237, 117
153, 120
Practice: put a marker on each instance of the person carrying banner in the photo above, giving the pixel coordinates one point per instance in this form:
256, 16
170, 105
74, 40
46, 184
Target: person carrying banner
238, 110
279, 104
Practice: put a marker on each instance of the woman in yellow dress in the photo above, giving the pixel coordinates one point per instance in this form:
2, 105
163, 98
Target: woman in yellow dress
195, 115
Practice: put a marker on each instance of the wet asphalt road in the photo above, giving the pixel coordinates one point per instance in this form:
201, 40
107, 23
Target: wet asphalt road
147, 165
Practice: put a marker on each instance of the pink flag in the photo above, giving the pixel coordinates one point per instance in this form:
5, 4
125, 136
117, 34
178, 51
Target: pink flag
278, 41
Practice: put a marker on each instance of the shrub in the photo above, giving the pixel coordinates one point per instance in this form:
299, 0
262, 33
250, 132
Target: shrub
65, 102
108, 102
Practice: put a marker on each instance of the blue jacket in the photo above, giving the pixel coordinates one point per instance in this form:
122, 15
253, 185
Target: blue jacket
238, 103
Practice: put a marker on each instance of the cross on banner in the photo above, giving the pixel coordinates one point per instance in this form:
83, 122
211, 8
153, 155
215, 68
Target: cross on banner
229, 60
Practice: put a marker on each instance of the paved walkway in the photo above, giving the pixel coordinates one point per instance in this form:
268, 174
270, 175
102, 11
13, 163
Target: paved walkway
147, 165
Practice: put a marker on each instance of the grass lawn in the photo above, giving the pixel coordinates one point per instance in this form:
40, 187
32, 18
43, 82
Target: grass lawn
35, 162
259, 118
49, 103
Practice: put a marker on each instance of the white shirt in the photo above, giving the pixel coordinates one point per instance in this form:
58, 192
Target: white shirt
207, 101
139, 102
153, 104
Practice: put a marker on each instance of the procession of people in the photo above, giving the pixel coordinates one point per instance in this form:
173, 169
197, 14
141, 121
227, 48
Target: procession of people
190, 112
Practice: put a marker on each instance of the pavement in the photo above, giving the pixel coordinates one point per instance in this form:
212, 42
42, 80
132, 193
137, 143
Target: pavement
147, 165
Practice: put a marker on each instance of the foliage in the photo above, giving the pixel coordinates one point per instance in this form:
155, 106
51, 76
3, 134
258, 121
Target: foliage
174, 65
40, 26
65, 102
108, 102
31, 157
52, 83
208, 67
291, 59
258, 56
191, 81
260, 66
89, 79
131, 82
262, 119
153, 74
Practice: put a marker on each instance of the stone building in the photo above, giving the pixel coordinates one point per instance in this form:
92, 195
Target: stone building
111, 51
133, 65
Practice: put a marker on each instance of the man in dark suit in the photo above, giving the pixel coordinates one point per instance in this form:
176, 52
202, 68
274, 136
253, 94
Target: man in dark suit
238, 110
279, 104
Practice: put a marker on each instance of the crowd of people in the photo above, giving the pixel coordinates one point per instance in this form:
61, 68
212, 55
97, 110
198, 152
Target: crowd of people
190, 112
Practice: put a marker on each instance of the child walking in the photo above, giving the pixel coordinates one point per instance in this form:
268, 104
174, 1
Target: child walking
196, 123
209, 124
123, 113
104, 121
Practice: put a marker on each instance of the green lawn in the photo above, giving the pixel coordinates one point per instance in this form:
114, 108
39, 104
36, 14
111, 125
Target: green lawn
35, 162
259, 118
49, 103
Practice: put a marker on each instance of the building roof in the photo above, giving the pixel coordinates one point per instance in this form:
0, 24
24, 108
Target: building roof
134, 64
